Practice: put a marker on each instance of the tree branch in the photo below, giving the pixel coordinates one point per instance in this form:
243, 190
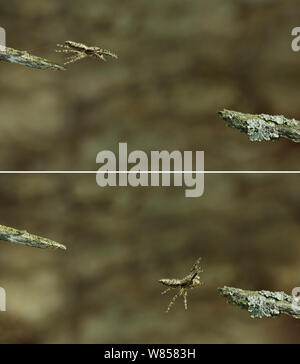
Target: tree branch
262, 303
24, 58
263, 127
24, 238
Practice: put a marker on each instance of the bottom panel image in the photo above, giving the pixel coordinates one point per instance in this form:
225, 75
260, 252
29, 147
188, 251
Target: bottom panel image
84, 264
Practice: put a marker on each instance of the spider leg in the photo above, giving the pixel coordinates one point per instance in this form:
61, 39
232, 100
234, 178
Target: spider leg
66, 51
101, 56
166, 291
172, 302
185, 299
174, 299
63, 46
72, 56
75, 58
109, 53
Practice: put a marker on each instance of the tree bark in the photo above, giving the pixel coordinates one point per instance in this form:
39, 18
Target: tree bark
24, 58
262, 303
25, 238
263, 127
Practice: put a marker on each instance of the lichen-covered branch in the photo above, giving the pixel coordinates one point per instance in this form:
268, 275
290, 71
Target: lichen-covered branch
261, 303
24, 58
25, 238
263, 127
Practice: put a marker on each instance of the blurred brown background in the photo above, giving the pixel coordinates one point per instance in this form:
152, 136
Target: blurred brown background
180, 62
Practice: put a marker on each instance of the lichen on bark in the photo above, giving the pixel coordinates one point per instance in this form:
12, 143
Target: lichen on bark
261, 303
26, 59
263, 127
24, 238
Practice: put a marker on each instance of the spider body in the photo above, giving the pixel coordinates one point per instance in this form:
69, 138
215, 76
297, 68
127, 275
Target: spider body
79, 51
191, 281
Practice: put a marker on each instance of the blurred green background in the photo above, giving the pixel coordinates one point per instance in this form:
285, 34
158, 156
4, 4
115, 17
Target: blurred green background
179, 63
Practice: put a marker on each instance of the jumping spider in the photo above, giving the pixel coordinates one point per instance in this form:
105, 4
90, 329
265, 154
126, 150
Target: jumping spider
189, 282
79, 51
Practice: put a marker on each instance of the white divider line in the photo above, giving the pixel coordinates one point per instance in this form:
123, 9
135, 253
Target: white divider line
149, 172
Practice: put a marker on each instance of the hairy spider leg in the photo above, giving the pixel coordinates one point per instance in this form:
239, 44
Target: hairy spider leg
65, 49
180, 293
75, 58
185, 299
109, 53
101, 56
63, 46
67, 52
167, 290
71, 59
